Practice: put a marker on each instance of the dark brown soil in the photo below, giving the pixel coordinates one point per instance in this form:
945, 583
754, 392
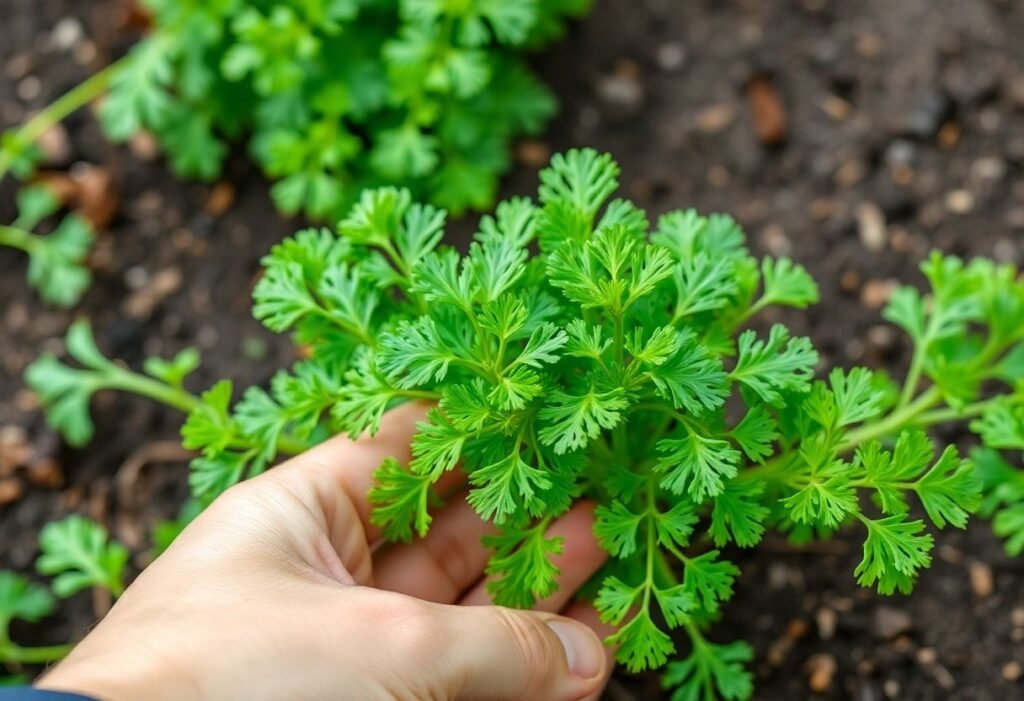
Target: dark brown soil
910, 113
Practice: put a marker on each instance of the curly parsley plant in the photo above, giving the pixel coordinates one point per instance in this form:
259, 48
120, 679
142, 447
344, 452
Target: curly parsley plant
339, 95
578, 352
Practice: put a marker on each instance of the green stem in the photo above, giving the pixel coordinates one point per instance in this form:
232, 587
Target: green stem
174, 397
900, 417
12, 652
913, 377
19, 238
58, 110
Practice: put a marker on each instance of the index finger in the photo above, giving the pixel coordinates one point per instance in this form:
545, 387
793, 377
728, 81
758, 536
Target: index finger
349, 464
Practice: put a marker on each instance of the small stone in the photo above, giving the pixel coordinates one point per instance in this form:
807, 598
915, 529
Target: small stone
901, 152
719, 176
871, 227
533, 154
949, 135
622, 88
959, 201
98, 199
18, 66
797, 629
836, 107
990, 168
850, 173
950, 554
136, 277
888, 623
1017, 616
46, 473
55, 144
66, 34
11, 490
891, 688
821, 670
775, 240
931, 111
882, 337
927, 656
1012, 671
84, 53
876, 293
849, 281
671, 57
147, 298
716, 118
144, 145
826, 619
222, 196
981, 579
870, 44
29, 88
767, 111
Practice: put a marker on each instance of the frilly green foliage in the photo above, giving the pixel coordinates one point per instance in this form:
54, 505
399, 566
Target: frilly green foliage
577, 351
339, 95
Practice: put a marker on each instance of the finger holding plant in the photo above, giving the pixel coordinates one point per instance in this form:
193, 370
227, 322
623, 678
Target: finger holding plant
577, 352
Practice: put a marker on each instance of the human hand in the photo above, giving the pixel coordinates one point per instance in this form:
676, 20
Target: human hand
281, 590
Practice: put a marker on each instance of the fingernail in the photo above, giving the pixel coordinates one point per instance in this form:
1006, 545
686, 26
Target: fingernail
583, 650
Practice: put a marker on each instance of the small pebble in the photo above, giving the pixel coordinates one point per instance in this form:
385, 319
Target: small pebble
891, 688
826, 618
532, 153
144, 145
66, 34
927, 656
821, 669
11, 490
989, 168
29, 88
959, 201
671, 57
1017, 616
871, 226
888, 622
932, 110
622, 88
981, 579
1012, 671
716, 118
46, 473
876, 293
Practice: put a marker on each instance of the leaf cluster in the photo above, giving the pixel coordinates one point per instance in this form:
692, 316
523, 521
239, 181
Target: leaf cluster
339, 95
57, 267
579, 350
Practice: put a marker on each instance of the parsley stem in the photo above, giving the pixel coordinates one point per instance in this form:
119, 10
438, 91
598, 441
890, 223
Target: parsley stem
19, 238
900, 417
13, 652
58, 110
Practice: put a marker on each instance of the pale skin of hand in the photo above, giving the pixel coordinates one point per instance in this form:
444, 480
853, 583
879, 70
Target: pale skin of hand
281, 589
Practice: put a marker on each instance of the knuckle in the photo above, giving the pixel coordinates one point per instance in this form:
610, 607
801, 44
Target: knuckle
534, 645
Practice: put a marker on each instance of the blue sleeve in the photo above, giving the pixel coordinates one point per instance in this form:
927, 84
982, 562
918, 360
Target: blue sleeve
27, 693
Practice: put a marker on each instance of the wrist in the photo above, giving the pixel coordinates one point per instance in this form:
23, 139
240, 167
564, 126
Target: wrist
120, 676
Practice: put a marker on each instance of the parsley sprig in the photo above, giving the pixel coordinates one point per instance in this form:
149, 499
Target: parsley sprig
578, 351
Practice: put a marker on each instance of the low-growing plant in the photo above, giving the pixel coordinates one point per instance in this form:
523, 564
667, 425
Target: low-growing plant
78, 554
577, 352
57, 268
339, 95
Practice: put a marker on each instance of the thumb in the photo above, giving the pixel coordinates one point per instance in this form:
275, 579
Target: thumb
507, 655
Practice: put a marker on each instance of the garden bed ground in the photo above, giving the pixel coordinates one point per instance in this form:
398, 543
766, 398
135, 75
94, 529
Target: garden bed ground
902, 130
